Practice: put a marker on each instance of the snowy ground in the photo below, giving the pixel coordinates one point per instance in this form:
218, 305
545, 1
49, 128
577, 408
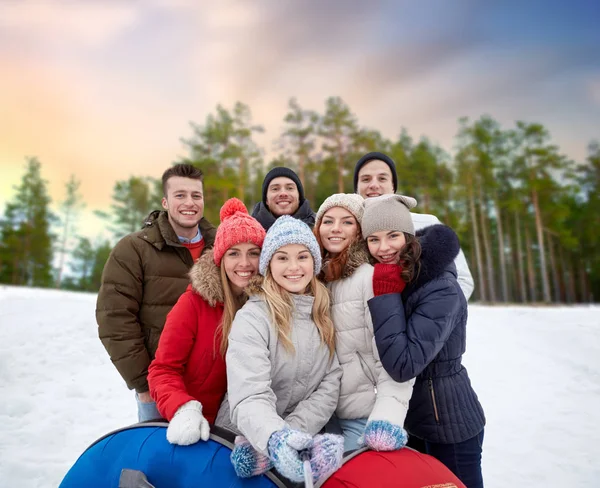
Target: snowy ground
536, 370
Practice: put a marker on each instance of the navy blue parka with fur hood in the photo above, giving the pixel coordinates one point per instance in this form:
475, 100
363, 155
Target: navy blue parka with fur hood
422, 333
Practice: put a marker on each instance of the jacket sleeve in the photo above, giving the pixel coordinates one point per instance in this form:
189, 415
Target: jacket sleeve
465, 279
407, 346
117, 310
252, 402
311, 414
165, 375
391, 402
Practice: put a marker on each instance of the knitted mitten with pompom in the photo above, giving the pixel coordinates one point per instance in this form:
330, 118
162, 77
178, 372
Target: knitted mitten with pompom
247, 461
284, 450
326, 455
381, 435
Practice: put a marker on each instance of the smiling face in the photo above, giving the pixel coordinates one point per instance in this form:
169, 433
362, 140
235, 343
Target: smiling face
241, 263
338, 230
282, 196
184, 203
375, 179
385, 246
292, 268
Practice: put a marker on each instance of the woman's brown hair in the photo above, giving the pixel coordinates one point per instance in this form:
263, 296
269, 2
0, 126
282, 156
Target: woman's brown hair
333, 267
410, 258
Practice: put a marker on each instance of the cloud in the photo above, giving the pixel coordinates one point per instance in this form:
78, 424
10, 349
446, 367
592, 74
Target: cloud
91, 23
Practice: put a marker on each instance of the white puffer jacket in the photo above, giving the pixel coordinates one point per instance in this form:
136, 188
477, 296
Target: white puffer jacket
366, 390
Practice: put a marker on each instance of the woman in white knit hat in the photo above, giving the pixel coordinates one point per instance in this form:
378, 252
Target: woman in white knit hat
419, 317
283, 375
372, 407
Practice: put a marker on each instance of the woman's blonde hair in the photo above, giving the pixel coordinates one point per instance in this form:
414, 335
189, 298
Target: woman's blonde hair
281, 307
231, 304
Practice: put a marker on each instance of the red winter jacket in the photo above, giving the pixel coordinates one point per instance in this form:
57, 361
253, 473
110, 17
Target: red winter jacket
188, 365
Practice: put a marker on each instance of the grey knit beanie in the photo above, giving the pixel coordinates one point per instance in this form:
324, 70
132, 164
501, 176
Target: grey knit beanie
388, 212
352, 202
288, 230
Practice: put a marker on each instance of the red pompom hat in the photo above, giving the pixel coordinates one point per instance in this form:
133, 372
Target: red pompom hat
237, 226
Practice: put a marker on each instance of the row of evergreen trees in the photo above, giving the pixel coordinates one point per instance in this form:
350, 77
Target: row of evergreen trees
525, 212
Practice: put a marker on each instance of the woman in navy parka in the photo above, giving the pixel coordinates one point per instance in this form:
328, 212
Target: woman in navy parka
419, 318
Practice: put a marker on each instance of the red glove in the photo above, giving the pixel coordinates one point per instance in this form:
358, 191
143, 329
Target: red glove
387, 279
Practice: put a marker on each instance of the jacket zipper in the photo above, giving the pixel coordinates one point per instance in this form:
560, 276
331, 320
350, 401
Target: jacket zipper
367, 371
432, 392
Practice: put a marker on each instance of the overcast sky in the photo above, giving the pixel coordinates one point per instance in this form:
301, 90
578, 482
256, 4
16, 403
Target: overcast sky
105, 89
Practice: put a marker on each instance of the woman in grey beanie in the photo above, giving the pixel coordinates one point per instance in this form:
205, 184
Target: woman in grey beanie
371, 405
419, 317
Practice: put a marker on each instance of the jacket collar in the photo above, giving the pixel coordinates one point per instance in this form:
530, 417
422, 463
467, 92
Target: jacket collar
159, 232
302, 303
205, 278
439, 248
267, 219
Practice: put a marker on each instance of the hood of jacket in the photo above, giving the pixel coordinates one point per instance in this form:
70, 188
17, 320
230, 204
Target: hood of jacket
439, 248
254, 287
304, 213
205, 278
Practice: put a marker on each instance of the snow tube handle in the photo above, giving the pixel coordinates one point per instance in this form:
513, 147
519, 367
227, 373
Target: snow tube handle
308, 474
132, 478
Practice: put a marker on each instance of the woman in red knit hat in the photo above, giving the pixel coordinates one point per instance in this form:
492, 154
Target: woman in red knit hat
187, 378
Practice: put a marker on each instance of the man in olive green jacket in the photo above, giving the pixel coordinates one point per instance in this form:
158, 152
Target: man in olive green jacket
145, 275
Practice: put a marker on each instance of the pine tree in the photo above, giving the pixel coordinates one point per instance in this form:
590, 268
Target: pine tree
70, 208
25, 237
339, 128
133, 200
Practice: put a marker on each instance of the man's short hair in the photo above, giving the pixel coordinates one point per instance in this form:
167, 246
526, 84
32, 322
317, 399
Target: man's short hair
185, 171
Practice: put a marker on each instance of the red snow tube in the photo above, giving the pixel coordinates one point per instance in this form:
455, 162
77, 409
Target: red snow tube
405, 468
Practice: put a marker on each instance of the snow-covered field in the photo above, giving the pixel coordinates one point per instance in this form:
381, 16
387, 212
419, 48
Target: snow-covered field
536, 370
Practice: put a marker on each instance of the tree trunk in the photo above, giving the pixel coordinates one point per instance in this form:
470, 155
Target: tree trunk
480, 280
426, 200
530, 269
519, 248
301, 165
583, 283
553, 265
340, 165
486, 246
540, 238
26, 271
572, 266
63, 250
569, 294
501, 249
242, 179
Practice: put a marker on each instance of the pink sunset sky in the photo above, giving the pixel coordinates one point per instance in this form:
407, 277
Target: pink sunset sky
105, 89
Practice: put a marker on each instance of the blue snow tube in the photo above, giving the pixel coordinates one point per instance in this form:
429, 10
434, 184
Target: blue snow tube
140, 456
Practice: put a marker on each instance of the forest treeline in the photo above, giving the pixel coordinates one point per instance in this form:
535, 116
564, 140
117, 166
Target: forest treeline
527, 215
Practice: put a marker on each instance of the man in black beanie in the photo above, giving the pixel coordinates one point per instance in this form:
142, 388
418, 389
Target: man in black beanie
282, 194
375, 175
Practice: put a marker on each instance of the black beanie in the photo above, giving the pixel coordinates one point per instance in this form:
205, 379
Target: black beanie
277, 172
370, 157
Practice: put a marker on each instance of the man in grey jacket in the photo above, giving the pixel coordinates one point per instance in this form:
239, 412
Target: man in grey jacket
375, 175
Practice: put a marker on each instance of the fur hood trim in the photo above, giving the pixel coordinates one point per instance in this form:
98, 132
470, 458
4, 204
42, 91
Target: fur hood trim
255, 286
358, 254
439, 248
205, 277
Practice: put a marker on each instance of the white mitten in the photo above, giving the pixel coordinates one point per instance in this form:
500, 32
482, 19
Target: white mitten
188, 425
